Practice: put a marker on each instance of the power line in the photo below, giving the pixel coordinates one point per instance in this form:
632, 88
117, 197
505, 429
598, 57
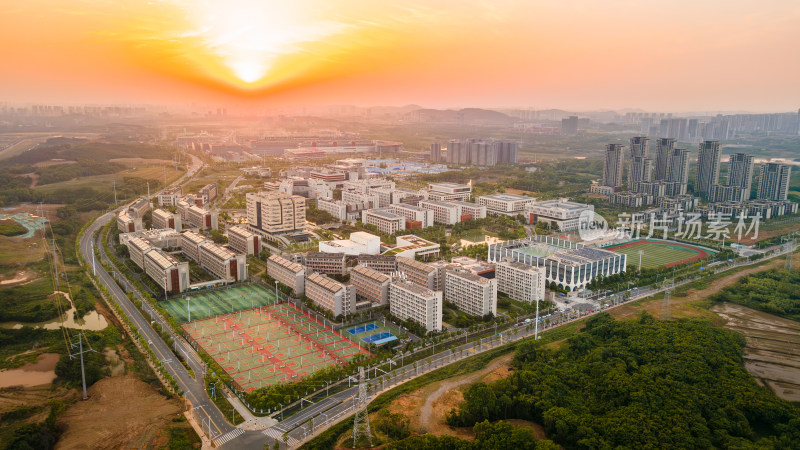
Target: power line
361, 422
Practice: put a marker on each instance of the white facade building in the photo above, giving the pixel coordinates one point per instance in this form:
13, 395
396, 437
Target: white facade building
561, 213
414, 214
359, 243
449, 191
164, 219
505, 204
445, 213
243, 240
473, 294
383, 218
287, 273
407, 301
520, 281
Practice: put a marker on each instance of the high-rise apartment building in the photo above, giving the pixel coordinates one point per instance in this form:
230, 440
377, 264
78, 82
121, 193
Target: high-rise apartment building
569, 126
678, 171
740, 172
436, 152
709, 160
276, 212
612, 168
773, 182
641, 171
640, 146
664, 148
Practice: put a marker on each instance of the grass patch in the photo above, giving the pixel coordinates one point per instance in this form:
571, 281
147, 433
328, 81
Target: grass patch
11, 228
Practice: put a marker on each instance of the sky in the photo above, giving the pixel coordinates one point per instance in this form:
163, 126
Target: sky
654, 55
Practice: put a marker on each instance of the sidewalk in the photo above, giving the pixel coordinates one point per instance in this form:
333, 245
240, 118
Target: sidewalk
206, 443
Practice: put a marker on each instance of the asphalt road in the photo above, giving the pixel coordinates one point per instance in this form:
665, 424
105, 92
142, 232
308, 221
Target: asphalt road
204, 411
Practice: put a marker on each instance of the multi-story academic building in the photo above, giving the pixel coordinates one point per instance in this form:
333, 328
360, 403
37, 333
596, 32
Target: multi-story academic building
320, 262
276, 212
222, 262
505, 204
287, 273
473, 294
201, 218
384, 219
520, 281
164, 219
330, 294
418, 273
410, 301
243, 240
370, 285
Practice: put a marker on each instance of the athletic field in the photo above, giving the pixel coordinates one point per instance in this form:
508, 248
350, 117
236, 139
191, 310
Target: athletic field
224, 301
659, 253
276, 343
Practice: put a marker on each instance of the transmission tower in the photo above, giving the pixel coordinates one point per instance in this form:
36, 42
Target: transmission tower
361, 422
665, 313
80, 353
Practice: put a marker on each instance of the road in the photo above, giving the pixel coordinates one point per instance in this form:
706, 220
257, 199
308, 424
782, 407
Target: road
205, 412
331, 410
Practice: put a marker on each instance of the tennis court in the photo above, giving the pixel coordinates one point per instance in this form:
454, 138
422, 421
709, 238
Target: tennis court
212, 303
373, 333
659, 253
276, 343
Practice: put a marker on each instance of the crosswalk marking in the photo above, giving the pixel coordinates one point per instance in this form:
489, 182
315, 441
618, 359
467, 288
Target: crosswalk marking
278, 436
227, 437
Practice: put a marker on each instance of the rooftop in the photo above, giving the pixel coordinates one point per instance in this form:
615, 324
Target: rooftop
219, 251
193, 237
326, 283
562, 204
415, 264
507, 197
240, 230
440, 203
386, 214
285, 263
323, 255
413, 288
164, 260
469, 276
370, 273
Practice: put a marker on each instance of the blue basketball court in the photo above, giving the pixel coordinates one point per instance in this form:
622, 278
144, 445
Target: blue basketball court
363, 329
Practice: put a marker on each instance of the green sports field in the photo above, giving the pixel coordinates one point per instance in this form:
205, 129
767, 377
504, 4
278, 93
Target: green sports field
213, 303
659, 253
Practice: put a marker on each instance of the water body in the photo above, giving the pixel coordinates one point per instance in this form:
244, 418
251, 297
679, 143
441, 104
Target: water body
92, 321
34, 374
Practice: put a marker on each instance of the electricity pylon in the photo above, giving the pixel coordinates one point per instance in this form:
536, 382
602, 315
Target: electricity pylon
361, 422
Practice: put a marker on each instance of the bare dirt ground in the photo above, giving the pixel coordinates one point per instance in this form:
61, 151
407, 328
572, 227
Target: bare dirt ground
133, 161
772, 353
771, 231
121, 412
428, 406
690, 305
20, 277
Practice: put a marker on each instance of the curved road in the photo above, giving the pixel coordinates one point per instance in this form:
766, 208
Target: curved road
204, 411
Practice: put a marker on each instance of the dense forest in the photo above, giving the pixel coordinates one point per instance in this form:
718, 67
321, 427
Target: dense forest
497, 436
772, 291
638, 384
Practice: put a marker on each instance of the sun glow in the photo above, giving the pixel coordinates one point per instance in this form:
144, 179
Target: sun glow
249, 37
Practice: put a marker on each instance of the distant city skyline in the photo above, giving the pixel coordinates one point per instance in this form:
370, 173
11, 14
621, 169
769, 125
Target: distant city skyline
685, 56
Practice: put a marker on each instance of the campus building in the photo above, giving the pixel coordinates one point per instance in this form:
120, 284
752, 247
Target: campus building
287, 273
415, 216
170, 196
190, 244
370, 285
201, 218
342, 210
408, 301
384, 219
520, 281
276, 212
418, 273
161, 238
412, 246
169, 273
473, 294
469, 211
386, 264
162, 267
561, 213
208, 193
243, 240
505, 204
358, 243
164, 219
333, 263
222, 262
330, 294
445, 213
568, 264
138, 207
127, 223
449, 191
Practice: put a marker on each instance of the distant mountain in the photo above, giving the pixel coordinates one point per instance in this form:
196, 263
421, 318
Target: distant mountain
467, 116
